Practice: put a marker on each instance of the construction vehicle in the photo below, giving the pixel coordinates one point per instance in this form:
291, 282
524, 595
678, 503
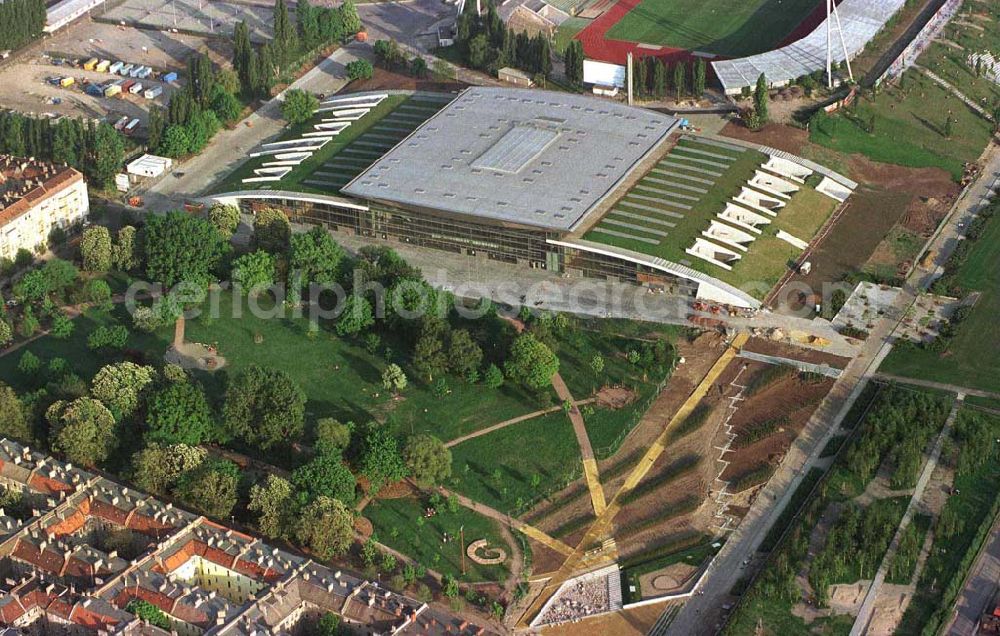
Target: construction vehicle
90, 64
66, 82
135, 202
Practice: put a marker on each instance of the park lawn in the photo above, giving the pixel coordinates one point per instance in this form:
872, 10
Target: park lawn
234, 181
496, 469
633, 570
566, 31
607, 427
985, 402
909, 127
805, 213
973, 356
82, 361
731, 29
420, 538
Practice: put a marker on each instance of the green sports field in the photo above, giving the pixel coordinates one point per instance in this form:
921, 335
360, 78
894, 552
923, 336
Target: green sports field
722, 27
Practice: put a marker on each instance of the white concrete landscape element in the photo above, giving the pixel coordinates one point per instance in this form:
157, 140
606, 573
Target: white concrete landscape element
729, 235
785, 168
744, 218
791, 240
714, 254
758, 201
832, 189
773, 185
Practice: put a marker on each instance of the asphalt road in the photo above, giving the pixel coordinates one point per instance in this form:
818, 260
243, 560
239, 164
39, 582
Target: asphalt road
980, 588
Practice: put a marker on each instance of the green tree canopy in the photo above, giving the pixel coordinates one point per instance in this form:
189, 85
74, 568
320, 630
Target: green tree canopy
156, 468
427, 459
331, 435
13, 423
225, 218
316, 256
271, 500
356, 316
532, 362
255, 272
325, 475
326, 527
83, 430
264, 407
179, 413
180, 247
271, 231
211, 488
380, 459
120, 385
299, 106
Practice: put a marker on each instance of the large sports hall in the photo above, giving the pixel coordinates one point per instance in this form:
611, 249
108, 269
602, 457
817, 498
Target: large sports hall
578, 186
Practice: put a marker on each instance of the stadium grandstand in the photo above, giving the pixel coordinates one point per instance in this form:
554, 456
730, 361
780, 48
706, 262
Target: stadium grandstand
62, 13
859, 21
571, 184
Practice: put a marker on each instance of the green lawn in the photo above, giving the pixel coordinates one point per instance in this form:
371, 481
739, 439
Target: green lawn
908, 127
497, 469
731, 29
295, 178
973, 357
401, 525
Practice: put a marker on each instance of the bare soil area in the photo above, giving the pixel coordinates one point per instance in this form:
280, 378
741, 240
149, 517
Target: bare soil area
791, 397
791, 352
387, 80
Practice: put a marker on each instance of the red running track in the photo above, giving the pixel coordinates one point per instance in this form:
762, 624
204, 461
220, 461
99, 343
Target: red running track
598, 47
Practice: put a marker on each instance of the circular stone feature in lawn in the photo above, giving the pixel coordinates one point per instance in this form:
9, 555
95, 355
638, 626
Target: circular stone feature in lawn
490, 556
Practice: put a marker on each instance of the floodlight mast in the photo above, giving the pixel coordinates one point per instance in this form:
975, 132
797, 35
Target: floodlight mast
831, 15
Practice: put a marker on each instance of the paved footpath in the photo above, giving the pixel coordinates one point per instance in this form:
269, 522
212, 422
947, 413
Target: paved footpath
586, 450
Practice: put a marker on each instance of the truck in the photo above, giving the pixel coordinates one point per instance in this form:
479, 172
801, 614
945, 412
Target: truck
121, 123
95, 90
90, 64
135, 88
131, 126
126, 70
111, 90
170, 77
116, 67
143, 72
66, 82
103, 66
153, 92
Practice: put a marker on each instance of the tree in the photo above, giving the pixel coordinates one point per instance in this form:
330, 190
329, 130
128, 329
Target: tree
429, 358
479, 49
62, 326
211, 488
125, 252
225, 105
95, 249
29, 363
659, 78
106, 154
349, 18
680, 83
418, 67
574, 62
59, 275
380, 459
427, 459
271, 230
284, 32
264, 407
225, 219
119, 386
597, 364
699, 78
271, 501
493, 377
356, 316
393, 378
175, 141
325, 475
326, 527
299, 106
331, 435
359, 70
155, 468
243, 58
148, 612
179, 414
254, 272
32, 287
13, 424
532, 362
180, 247
6, 333
83, 430
464, 355
760, 99
107, 338
328, 625
316, 256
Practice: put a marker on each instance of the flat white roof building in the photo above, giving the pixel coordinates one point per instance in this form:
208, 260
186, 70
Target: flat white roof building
149, 166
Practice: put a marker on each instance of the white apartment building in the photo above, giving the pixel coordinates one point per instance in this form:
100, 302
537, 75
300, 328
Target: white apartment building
35, 198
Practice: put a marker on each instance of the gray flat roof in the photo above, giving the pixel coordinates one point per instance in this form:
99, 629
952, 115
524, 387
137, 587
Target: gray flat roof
523, 156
